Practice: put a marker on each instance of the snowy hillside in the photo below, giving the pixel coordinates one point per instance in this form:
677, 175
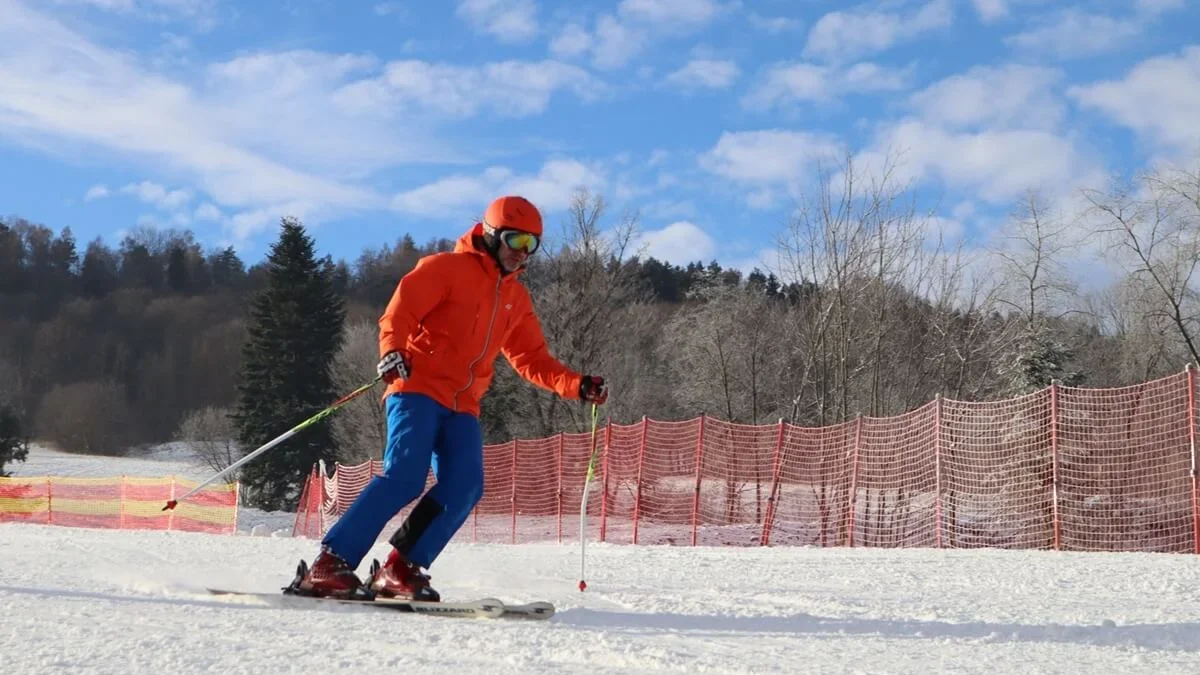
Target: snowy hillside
105, 601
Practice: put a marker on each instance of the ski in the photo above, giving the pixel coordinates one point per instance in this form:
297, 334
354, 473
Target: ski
483, 608
539, 610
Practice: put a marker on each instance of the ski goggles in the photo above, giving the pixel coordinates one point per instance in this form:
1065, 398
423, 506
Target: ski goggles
517, 240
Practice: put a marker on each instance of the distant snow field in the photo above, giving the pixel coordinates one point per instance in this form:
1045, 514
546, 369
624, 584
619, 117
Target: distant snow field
78, 600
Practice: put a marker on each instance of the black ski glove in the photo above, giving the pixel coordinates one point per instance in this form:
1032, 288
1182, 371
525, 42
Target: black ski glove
393, 365
593, 390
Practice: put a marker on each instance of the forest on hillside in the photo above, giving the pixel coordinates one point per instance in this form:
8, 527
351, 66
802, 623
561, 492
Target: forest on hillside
109, 346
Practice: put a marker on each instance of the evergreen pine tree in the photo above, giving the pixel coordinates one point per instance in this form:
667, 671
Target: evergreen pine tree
1039, 360
295, 330
178, 274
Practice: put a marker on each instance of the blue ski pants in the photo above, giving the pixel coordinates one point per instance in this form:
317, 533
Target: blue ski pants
420, 433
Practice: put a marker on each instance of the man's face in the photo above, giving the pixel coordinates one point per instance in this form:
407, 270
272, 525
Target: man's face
511, 258
515, 247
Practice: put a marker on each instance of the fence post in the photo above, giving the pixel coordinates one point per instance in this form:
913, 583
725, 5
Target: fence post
1054, 464
516, 448
237, 492
852, 500
604, 470
637, 495
50, 501
937, 468
1191, 385
322, 497
776, 467
561, 434
699, 463
310, 492
121, 506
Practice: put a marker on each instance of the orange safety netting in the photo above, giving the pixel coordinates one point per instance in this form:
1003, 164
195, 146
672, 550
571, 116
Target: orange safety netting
1063, 468
121, 502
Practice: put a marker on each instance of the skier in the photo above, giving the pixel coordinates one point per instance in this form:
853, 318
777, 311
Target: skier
447, 321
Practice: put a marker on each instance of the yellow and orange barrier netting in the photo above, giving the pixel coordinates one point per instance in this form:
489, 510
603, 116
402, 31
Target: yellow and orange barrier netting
121, 502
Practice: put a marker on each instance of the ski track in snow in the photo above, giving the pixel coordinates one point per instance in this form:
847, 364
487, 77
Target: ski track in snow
76, 600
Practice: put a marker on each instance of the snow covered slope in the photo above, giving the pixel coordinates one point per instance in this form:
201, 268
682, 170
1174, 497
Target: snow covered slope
103, 601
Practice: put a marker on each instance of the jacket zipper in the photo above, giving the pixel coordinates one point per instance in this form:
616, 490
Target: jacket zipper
486, 341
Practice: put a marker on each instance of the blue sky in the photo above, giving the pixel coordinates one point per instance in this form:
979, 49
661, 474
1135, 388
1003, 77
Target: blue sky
706, 117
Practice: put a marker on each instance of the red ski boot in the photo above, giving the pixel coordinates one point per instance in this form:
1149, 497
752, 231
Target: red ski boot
331, 577
399, 578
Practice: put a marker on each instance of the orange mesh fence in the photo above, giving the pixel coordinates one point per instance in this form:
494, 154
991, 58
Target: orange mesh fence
121, 502
1063, 468
1124, 467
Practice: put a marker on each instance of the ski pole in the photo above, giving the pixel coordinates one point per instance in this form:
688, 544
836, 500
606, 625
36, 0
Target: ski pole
172, 503
587, 484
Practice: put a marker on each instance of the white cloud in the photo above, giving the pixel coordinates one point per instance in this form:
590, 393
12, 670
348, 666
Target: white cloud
846, 35
282, 74
464, 196
1008, 96
679, 243
509, 21
705, 73
208, 211
611, 44
996, 165
260, 131
553, 185
1155, 7
454, 196
572, 41
1074, 33
691, 12
771, 157
389, 8
510, 88
97, 192
153, 193
774, 24
810, 82
259, 135
617, 39
990, 10
1159, 98
667, 209
201, 11
246, 224
615, 44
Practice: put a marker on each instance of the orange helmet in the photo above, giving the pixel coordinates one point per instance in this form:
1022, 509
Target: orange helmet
512, 213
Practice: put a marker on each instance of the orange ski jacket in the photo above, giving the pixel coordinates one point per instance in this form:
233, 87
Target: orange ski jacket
452, 315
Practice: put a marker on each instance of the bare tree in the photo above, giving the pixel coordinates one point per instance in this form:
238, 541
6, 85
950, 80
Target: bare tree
1038, 289
856, 248
723, 353
1031, 255
90, 418
594, 311
211, 435
826, 246
361, 426
1155, 234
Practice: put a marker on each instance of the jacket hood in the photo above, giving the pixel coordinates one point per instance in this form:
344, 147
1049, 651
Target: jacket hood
467, 244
